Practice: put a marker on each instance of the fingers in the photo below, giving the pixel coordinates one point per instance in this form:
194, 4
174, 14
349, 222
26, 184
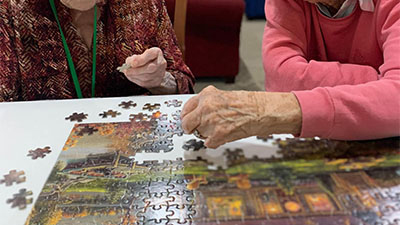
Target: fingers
143, 59
191, 121
213, 144
190, 105
150, 67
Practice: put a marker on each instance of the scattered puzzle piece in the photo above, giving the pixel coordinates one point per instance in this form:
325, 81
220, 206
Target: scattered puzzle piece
174, 102
151, 107
79, 117
39, 152
20, 199
127, 105
265, 139
193, 145
110, 113
12, 177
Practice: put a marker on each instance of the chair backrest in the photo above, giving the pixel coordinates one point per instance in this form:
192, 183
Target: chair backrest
180, 23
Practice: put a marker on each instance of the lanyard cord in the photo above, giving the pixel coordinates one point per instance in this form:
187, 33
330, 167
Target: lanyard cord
69, 57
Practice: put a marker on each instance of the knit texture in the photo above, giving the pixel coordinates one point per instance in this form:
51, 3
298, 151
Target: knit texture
33, 63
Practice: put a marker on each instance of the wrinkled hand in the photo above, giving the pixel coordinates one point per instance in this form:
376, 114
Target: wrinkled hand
224, 116
148, 69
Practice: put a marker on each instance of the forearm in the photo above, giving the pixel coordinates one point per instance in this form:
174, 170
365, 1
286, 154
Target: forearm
284, 71
278, 113
366, 111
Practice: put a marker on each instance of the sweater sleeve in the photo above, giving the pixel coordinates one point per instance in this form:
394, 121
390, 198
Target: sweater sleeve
9, 78
285, 54
363, 111
168, 43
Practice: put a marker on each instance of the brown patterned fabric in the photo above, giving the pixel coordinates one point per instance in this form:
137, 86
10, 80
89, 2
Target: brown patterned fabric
33, 63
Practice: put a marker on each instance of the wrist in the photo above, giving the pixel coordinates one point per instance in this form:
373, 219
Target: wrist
168, 85
279, 113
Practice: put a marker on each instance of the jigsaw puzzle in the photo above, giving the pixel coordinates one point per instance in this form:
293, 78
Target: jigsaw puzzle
77, 117
98, 180
39, 152
174, 103
194, 145
13, 177
151, 107
127, 105
86, 129
109, 113
20, 199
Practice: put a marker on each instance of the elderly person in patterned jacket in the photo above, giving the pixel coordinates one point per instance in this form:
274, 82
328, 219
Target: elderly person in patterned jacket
60, 49
332, 69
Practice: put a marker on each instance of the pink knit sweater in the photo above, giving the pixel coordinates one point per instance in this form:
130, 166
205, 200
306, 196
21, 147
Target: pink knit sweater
345, 72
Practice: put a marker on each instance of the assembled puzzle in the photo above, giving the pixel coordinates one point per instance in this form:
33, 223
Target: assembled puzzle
97, 180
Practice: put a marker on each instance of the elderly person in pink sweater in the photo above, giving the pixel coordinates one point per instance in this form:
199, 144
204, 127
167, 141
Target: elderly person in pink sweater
332, 70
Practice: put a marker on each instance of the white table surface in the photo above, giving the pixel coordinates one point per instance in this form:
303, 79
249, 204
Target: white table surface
26, 126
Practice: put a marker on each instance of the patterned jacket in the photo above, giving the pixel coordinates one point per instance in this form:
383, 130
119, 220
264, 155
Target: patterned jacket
33, 63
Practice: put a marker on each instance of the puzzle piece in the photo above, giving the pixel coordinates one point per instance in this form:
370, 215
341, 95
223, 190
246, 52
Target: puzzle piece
86, 130
265, 139
20, 199
177, 115
177, 128
149, 216
79, 117
163, 144
108, 113
12, 177
124, 67
163, 128
174, 102
157, 200
151, 107
127, 105
139, 117
159, 116
193, 145
39, 152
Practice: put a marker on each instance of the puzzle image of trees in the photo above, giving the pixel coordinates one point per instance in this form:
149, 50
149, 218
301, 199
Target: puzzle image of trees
97, 180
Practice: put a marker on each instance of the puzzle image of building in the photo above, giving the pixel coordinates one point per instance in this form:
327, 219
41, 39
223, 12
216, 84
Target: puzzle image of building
97, 180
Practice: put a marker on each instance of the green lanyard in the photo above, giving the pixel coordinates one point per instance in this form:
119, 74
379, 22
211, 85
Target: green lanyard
68, 53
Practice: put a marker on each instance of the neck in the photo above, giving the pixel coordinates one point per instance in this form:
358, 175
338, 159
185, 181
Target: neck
82, 18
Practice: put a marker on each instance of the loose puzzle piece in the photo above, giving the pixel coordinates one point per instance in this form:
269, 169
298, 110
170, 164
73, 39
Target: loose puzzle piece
20, 199
151, 107
110, 113
12, 177
269, 137
127, 105
193, 145
79, 117
39, 152
87, 130
124, 67
174, 102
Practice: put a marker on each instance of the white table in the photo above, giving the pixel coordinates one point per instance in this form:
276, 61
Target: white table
29, 125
